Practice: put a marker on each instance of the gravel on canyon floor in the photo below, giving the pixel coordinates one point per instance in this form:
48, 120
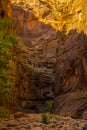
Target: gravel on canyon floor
22, 121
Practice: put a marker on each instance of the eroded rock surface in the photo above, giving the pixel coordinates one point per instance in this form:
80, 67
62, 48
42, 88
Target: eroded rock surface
53, 67
71, 76
61, 14
35, 69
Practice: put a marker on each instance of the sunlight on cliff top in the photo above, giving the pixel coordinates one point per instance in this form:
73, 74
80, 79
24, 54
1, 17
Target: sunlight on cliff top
63, 15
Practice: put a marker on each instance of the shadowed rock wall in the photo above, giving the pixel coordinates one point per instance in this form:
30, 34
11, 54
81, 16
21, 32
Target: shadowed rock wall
71, 76
35, 70
52, 66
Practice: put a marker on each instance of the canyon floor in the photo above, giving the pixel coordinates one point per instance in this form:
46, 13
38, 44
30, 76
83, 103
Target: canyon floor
21, 121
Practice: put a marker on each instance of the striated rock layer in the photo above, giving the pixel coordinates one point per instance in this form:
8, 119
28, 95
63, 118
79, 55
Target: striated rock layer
52, 65
35, 81
71, 76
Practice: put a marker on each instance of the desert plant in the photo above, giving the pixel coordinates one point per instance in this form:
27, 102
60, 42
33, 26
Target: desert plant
4, 112
45, 118
49, 105
57, 117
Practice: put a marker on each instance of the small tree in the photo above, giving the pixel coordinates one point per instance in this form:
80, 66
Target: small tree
8, 41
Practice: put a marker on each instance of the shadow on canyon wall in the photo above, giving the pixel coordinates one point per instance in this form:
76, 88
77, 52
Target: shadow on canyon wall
71, 76
50, 65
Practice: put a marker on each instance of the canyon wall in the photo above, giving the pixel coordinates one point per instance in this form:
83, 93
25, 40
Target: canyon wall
71, 76
52, 63
63, 15
35, 81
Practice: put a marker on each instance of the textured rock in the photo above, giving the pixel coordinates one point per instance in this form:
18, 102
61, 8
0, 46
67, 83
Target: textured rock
61, 14
71, 63
5, 9
72, 104
35, 62
71, 76
52, 64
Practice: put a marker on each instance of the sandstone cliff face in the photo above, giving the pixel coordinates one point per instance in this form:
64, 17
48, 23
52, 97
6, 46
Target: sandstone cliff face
71, 76
61, 14
35, 78
5, 9
53, 63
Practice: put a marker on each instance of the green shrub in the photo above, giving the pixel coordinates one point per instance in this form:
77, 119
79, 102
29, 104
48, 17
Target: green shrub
45, 118
4, 113
57, 117
8, 42
49, 104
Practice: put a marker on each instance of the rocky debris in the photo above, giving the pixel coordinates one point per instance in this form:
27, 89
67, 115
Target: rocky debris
85, 127
19, 115
33, 122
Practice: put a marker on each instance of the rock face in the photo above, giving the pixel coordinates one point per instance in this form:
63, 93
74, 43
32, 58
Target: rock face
71, 76
71, 63
51, 65
35, 70
5, 9
61, 14
73, 104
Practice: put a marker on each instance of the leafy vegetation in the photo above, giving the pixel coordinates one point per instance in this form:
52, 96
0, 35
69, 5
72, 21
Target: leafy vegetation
45, 118
4, 113
8, 42
48, 104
